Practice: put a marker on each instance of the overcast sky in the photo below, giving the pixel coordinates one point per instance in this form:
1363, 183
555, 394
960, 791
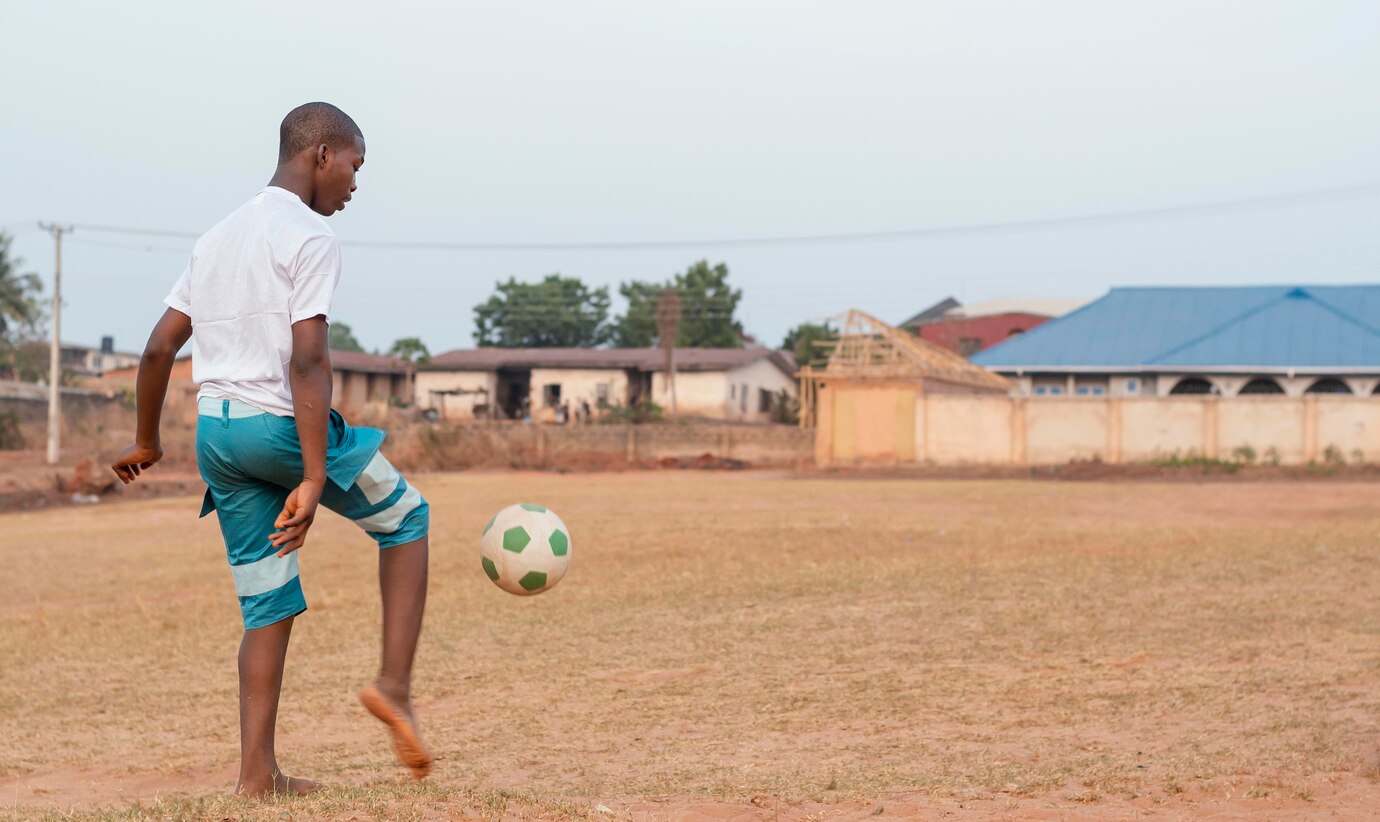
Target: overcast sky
643, 121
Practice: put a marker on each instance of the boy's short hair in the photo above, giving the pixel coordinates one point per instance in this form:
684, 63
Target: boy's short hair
312, 124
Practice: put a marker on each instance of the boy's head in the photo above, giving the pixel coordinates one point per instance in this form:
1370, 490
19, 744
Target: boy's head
322, 140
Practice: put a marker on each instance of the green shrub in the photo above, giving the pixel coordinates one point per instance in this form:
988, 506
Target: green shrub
10, 438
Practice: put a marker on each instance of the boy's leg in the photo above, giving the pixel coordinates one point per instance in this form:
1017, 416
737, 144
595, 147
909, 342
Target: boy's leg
268, 586
394, 513
402, 584
263, 652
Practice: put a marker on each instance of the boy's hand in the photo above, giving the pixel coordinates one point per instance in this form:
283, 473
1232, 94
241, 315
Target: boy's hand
134, 460
298, 513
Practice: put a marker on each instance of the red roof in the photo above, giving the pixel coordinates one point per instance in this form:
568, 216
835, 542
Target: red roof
368, 363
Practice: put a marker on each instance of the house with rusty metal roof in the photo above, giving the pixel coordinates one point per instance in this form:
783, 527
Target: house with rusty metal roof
545, 384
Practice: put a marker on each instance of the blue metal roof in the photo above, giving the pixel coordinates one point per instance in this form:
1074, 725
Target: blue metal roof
1199, 328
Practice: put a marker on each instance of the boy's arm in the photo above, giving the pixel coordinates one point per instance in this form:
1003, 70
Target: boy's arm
151, 387
309, 374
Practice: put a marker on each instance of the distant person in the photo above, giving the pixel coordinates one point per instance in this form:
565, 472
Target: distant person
585, 413
255, 299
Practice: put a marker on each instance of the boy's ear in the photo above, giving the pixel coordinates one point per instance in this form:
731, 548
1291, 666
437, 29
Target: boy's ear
322, 155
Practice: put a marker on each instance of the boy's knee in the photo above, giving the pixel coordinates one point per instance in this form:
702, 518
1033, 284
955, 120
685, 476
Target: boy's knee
413, 527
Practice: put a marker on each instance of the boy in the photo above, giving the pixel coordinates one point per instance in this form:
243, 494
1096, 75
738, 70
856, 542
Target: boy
255, 298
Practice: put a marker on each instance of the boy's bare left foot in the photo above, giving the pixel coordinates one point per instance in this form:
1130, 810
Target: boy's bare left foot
397, 715
276, 784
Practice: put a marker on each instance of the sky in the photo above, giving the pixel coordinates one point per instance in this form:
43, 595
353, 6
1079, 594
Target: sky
634, 122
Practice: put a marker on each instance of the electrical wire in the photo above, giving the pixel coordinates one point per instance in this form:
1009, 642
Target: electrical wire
1266, 202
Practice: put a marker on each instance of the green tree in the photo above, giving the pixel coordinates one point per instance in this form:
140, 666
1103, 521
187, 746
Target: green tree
637, 327
20, 309
708, 306
414, 352
341, 338
411, 349
801, 340
558, 312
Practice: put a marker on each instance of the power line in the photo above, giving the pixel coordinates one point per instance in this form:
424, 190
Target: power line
1213, 208
131, 246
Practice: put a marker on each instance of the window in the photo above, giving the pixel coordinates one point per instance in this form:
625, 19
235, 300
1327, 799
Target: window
968, 346
1261, 385
742, 397
601, 393
1193, 385
551, 394
763, 401
1083, 390
1328, 385
733, 391
1132, 386
1041, 390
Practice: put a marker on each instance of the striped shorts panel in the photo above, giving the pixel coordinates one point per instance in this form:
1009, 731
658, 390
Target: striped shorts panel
251, 460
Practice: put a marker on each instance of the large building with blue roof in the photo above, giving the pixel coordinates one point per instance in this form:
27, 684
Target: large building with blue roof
1227, 341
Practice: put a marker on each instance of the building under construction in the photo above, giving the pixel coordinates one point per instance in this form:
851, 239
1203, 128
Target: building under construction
865, 397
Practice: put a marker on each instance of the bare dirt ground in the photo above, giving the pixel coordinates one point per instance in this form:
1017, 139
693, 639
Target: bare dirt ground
735, 646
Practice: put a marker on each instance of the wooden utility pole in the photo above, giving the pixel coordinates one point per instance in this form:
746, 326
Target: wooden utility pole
55, 352
667, 324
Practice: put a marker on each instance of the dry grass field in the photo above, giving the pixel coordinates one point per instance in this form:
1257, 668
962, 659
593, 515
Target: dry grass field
734, 646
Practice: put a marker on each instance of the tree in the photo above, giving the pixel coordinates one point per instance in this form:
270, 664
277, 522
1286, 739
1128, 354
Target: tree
412, 351
340, 338
558, 312
801, 341
708, 305
20, 310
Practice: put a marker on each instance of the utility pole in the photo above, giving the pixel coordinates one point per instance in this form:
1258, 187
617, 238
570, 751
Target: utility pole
668, 313
55, 352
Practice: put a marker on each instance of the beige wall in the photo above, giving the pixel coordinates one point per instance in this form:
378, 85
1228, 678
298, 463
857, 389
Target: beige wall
454, 406
354, 391
717, 394
858, 425
580, 384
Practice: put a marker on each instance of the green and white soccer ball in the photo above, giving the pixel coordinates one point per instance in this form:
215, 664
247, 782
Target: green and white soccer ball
525, 549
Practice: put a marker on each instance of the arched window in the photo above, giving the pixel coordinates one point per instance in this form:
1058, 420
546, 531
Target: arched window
1261, 385
1328, 385
1193, 385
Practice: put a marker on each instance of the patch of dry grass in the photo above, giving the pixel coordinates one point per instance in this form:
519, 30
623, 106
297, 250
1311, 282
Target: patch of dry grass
723, 636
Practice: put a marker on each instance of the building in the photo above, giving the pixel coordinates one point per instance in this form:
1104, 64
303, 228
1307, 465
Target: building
1225, 341
85, 361
869, 403
358, 381
735, 384
966, 330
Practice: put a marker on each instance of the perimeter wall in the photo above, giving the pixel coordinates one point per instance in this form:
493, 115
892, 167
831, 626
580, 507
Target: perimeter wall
893, 424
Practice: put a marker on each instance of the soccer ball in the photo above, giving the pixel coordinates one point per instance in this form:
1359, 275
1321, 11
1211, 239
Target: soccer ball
525, 549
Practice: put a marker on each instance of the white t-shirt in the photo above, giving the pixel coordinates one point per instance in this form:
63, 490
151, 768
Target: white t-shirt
271, 263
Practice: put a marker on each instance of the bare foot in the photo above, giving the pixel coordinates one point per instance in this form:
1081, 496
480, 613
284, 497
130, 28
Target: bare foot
275, 784
396, 713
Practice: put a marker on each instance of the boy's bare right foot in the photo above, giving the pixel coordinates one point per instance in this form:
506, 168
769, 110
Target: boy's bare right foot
275, 784
397, 715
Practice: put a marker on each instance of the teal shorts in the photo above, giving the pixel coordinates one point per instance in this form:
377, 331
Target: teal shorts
251, 459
